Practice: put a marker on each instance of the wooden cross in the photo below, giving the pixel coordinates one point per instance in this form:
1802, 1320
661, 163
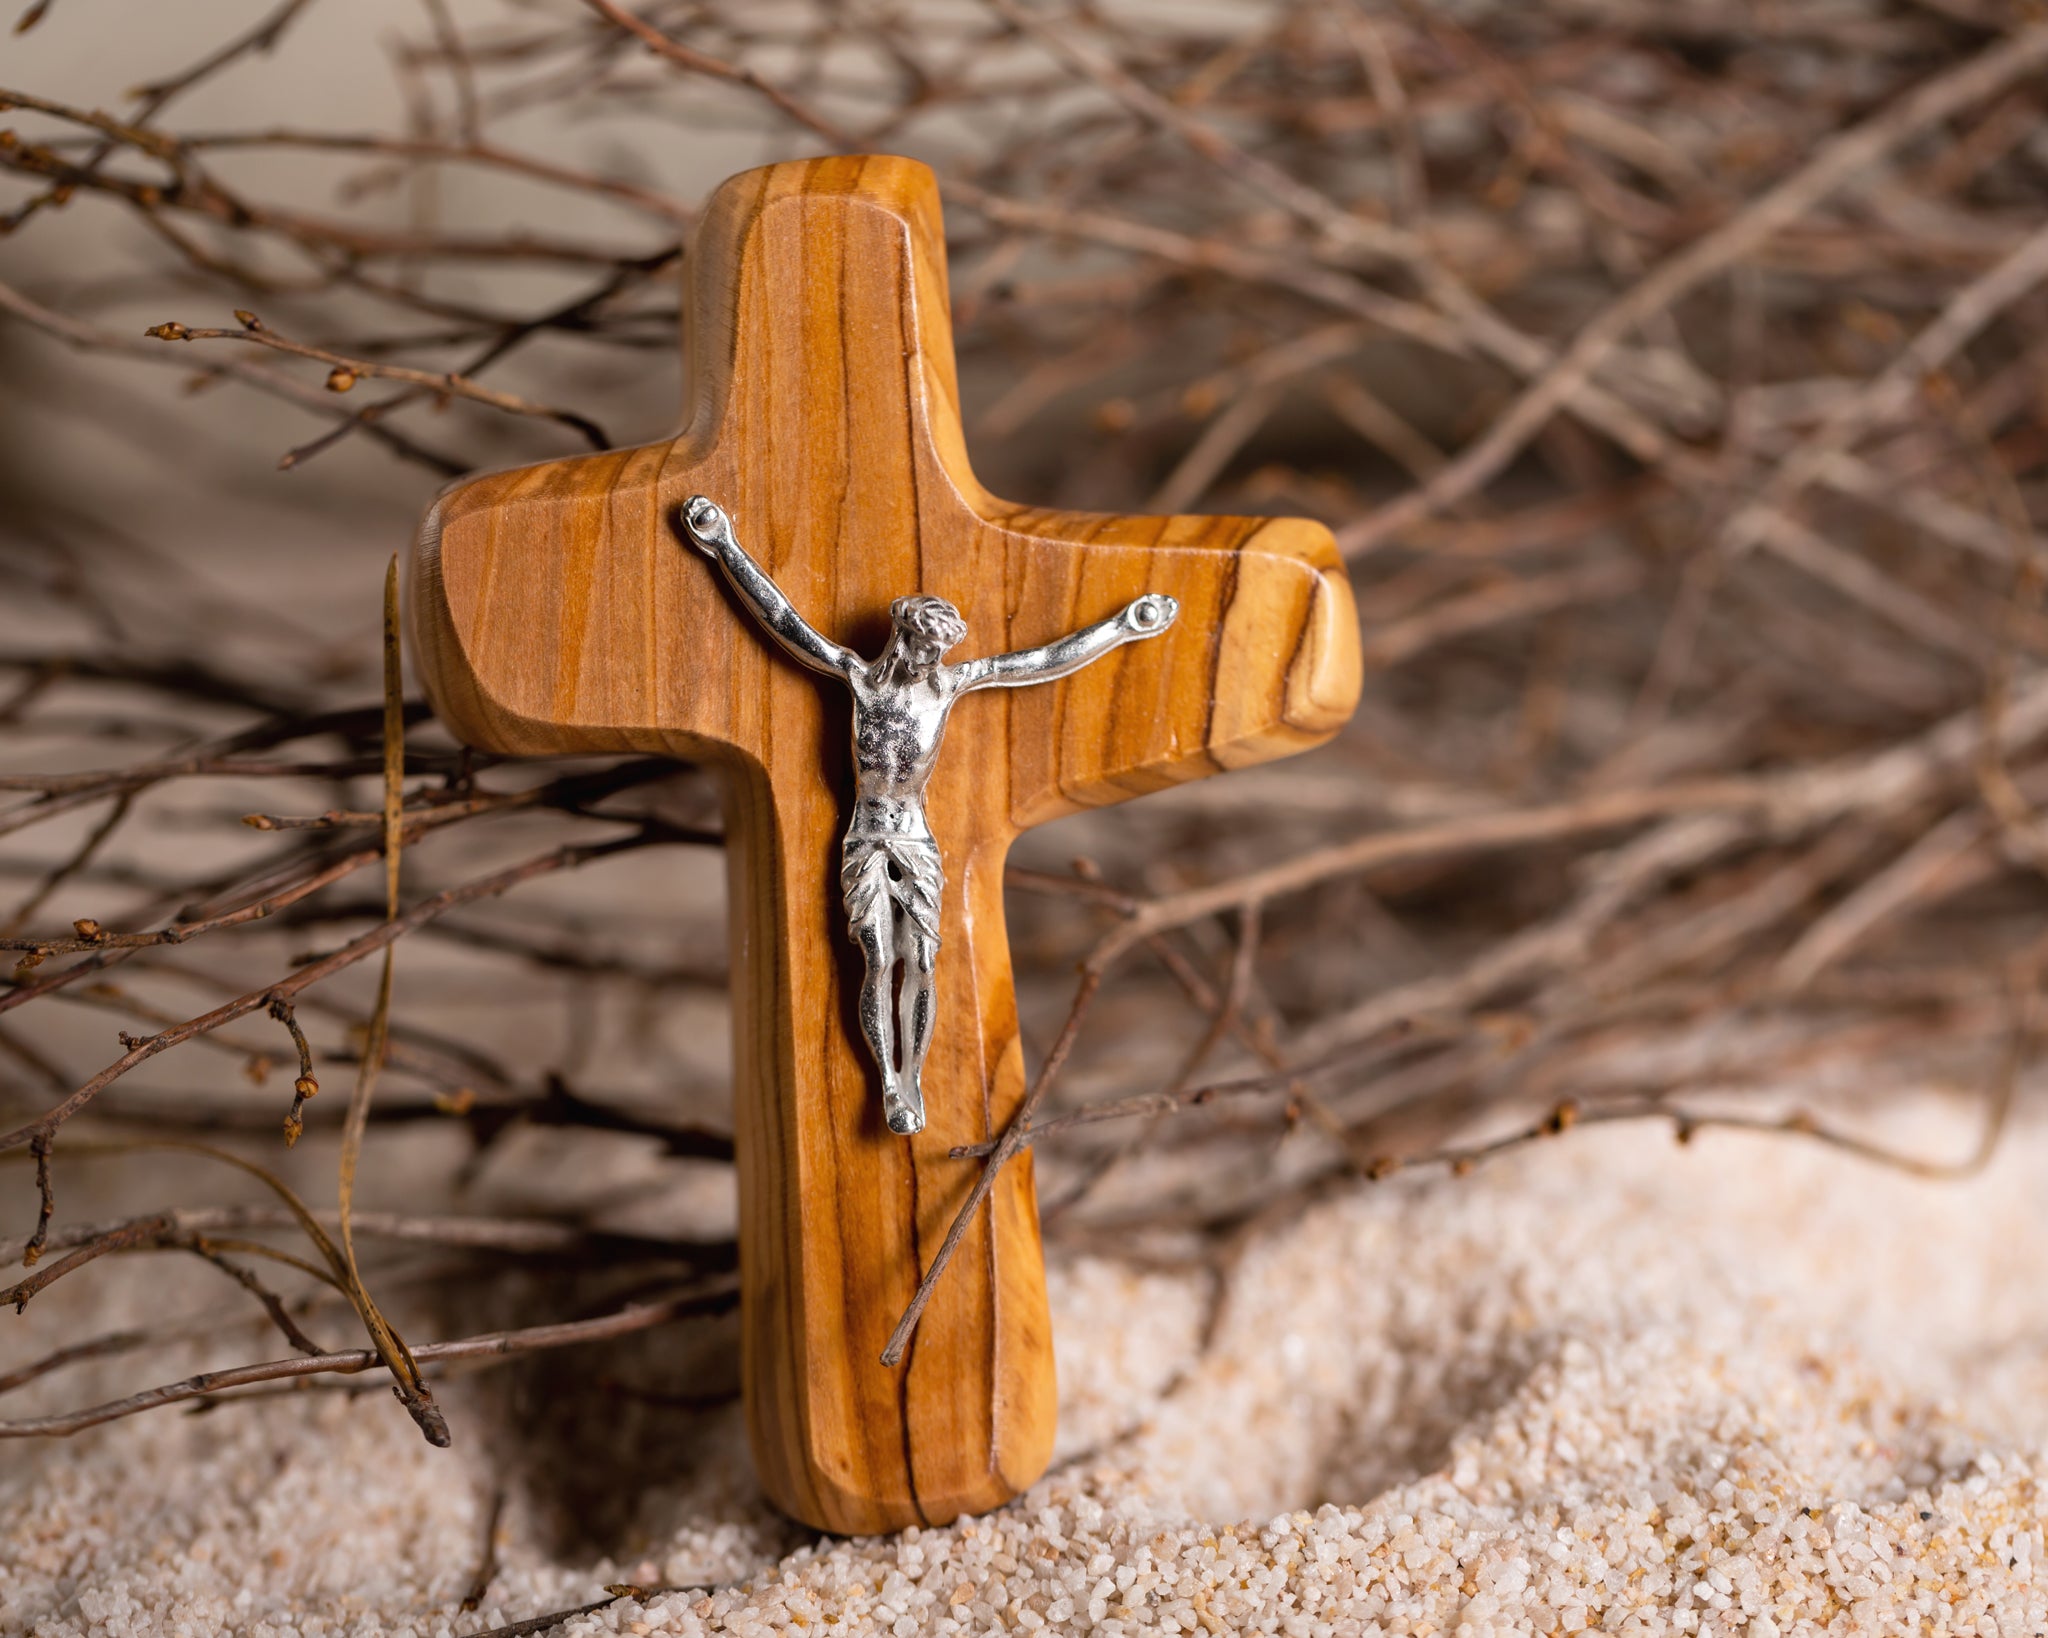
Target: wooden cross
558, 609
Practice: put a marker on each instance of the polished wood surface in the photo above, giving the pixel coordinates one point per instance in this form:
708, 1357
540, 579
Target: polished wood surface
556, 609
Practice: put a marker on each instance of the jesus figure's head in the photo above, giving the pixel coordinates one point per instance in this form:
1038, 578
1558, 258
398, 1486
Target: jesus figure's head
925, 628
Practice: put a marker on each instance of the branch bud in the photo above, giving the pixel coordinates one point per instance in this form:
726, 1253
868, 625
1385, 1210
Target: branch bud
1115, 415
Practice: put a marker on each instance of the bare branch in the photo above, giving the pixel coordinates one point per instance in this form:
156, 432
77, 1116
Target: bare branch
493, 1345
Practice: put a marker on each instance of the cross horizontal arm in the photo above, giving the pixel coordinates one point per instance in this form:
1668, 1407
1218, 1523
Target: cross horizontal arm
1143, 617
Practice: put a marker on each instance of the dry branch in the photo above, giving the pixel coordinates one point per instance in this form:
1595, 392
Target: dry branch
494, 1345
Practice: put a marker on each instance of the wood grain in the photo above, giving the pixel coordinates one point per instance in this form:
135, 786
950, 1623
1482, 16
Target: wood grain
555, 609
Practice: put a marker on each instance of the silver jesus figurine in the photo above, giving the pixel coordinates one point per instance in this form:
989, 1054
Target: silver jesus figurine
889, 871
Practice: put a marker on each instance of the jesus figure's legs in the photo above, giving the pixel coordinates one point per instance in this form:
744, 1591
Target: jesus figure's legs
892, 886
915, 1004
878, 949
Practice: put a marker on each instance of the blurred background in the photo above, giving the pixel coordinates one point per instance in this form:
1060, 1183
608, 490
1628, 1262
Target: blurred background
1671, 377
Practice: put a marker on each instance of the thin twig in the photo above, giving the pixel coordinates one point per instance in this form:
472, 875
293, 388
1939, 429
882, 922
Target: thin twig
709, 1295
1012, 1140
344, 372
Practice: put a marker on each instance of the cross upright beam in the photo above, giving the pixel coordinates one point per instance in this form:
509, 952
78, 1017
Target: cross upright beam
558, 609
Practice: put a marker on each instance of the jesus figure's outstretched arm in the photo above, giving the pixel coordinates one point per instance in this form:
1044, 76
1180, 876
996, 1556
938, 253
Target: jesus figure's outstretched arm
1145, 617
710, 531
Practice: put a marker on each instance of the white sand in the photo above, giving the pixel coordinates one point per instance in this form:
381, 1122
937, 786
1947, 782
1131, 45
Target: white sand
1748, 1386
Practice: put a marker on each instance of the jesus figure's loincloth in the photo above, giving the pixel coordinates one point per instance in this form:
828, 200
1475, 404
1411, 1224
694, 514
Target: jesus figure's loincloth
876, 871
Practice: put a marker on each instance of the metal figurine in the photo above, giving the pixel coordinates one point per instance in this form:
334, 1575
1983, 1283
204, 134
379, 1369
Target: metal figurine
889, 872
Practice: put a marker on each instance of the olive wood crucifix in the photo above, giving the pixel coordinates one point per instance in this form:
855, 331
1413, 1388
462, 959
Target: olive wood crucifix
560, 608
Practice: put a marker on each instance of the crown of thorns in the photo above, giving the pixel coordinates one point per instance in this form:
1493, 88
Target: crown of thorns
932, 618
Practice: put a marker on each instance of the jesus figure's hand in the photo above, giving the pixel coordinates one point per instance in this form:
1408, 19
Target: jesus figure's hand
706, 524
1148, 614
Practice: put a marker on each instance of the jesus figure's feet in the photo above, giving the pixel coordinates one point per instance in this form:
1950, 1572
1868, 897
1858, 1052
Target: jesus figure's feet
905, 1114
